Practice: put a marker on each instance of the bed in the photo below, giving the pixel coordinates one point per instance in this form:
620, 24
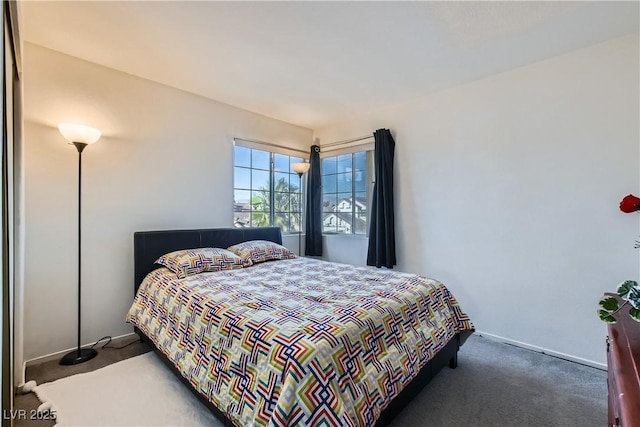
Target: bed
294, 341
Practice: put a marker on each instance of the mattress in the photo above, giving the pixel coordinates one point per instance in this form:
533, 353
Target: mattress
300, 341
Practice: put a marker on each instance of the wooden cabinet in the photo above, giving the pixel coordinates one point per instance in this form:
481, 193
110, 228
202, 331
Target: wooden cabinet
623, 362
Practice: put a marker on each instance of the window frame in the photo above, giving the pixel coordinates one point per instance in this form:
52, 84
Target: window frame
369, 180
293, 156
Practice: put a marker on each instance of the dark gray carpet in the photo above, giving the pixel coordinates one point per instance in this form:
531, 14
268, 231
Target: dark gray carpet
497, 384
494, 385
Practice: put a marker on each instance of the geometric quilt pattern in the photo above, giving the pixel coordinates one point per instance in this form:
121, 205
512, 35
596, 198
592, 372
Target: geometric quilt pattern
298, 341
193, 261
257, 251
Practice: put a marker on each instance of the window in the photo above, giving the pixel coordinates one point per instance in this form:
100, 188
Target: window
344, 193
266, 191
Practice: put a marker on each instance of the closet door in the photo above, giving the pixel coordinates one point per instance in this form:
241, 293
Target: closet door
11, 162
7, 293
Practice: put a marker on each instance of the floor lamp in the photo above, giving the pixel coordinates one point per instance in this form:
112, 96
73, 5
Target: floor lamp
300, 169
80, 136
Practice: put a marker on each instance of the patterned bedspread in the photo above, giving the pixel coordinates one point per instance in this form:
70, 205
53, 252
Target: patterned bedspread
298, 342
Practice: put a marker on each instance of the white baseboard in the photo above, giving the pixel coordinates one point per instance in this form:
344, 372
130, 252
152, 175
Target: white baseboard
59, 354
542, 350
23, 373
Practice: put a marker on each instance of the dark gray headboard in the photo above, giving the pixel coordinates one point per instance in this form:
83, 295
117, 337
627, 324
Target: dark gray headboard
148, 246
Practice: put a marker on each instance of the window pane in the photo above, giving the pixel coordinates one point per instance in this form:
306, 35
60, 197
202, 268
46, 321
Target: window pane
329, 184
241, 156
295, 182
260, 200
259, 219
344, 182
329, 202
361, 202
329, 223
281, 182
241, 178
296, 218
361, 181
344, 163
241, 219
281, 163
329, 165
361, 160
295, 202
282, 221
259, 180
282, 202
361, 223
361, 213
241, 199
344, 202
343, 222
260, 159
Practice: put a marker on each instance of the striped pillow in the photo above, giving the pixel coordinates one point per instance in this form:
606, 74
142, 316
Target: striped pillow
193, 261
256, 251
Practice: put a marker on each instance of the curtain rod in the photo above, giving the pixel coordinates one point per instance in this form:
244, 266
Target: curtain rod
270, 144
348, 141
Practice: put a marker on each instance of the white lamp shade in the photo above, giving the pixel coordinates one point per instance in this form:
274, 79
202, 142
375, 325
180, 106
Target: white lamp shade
79, 133
300, 168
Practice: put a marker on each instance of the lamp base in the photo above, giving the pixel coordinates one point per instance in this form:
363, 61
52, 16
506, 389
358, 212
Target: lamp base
78, 356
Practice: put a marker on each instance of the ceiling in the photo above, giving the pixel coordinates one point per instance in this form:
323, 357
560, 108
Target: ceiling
316, 63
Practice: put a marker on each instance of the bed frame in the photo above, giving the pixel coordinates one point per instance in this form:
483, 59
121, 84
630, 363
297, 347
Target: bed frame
150, 245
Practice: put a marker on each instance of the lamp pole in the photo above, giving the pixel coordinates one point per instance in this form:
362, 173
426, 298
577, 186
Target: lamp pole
300, 221
300, 169
80, 137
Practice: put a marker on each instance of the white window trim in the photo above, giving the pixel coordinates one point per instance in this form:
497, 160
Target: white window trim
271, 147
329, 152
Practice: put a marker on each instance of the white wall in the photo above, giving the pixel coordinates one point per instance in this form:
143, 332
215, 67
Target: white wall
164, 162
508, 188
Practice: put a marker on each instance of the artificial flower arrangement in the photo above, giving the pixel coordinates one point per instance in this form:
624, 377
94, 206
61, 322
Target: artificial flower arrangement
628, 291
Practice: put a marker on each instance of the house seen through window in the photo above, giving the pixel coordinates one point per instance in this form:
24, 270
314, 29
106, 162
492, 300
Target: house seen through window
266, 191
344, 193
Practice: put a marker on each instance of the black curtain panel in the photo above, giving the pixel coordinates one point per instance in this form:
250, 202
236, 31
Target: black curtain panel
382, 237
313, 235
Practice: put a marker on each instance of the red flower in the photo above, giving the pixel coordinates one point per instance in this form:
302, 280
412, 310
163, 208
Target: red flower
630, 204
